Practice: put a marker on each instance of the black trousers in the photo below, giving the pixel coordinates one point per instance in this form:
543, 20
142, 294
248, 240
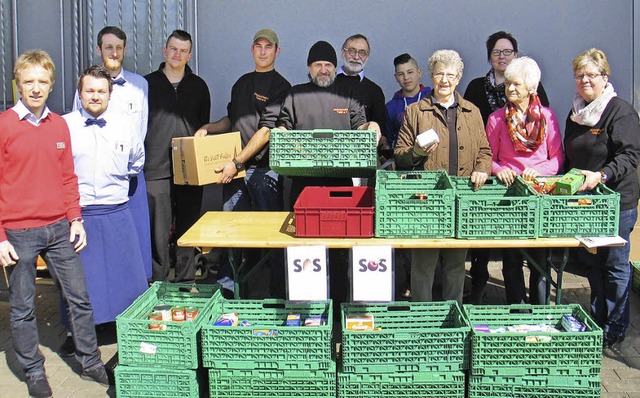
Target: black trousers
168, 204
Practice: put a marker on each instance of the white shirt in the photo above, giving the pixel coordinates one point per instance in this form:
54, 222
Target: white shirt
131, 99
24, 113
104, 157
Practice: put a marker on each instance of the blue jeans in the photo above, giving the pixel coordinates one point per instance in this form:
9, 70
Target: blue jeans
260, 190
609, 273
52, 243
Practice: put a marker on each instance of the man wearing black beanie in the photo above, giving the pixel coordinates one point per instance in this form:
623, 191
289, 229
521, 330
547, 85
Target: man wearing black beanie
318, 104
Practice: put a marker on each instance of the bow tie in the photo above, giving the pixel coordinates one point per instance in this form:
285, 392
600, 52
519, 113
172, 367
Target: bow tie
98, 122
119, 81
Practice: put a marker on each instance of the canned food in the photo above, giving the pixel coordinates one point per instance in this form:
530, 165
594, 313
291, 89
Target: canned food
190, 313
178, 313
165, 310
156, 316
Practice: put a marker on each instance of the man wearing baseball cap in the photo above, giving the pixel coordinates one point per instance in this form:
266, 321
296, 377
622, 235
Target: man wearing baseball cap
318, 104
253, 95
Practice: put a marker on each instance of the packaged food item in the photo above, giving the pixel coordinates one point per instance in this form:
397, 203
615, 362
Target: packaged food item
165, 310
230, 319
363, 322
156, 316
293, 320
245, 323
265, 333
178, 313
481, 328
315, 320
427, 138
190, 313
572, 324
569, 184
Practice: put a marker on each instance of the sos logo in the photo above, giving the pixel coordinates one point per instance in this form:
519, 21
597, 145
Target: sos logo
371, 265
307, 265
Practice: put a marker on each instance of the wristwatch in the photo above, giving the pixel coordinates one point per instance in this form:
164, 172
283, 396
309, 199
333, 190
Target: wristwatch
603, 176
239, 165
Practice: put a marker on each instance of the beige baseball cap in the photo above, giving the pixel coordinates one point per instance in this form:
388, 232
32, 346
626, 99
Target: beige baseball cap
267, 34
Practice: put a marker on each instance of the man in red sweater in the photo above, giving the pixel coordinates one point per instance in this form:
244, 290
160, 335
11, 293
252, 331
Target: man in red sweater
40, 215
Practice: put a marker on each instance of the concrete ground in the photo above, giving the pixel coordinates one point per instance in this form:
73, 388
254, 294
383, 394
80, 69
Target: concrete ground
620, 368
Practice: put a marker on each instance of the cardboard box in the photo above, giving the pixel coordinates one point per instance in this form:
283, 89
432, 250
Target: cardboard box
196, 158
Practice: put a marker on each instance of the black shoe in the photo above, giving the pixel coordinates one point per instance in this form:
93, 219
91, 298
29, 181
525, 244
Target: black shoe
39, 387
612, 341
68, 348
99, 374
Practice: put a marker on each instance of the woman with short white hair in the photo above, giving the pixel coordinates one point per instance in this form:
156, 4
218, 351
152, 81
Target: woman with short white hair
462, 150
525, 140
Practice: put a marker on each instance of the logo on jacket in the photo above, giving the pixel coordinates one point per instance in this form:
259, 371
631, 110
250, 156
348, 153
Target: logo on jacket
341, 111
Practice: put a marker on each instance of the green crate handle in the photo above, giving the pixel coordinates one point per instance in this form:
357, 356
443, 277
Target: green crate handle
273, 305
404, 307
322, 134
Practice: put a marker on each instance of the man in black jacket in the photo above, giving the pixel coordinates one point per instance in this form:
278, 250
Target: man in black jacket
179, 103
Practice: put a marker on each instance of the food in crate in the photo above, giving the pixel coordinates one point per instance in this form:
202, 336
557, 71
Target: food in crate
230, 319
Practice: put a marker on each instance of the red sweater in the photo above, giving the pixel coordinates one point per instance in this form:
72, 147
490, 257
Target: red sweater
38, 185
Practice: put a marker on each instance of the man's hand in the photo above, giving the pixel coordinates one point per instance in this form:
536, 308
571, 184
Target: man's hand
201, 133
478, 179
8, 255
507, 176
78, 235
228, 171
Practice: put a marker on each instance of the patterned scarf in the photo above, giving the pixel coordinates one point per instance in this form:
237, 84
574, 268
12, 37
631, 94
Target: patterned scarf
528, 135
495, 94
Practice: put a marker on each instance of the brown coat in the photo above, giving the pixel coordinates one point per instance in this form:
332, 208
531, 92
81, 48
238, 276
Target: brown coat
474, 153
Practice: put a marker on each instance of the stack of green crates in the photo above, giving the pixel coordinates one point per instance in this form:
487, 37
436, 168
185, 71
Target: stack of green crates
417, 350
414, 204
261, 357
496, 211
635, 278
533, 364
162, 363
323, 153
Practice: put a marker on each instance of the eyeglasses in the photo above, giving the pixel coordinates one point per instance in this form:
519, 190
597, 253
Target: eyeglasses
353, 52
506, 52
441, 75
589, 76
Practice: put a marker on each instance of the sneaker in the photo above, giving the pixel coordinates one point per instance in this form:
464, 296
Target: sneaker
99, 374
39, 387
68, 348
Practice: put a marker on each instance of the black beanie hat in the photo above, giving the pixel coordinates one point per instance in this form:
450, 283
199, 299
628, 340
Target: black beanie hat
322, 51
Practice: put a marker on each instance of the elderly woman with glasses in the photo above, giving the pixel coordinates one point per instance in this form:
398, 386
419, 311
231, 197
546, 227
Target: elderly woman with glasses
602, 138
488, 94
462, 150
525, 140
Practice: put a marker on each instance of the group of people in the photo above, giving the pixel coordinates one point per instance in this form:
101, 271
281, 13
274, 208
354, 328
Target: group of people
112, 213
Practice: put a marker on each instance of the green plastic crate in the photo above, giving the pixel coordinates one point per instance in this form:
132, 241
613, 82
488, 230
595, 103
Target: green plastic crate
284, 347
175, 347
323, 153
534, 386
399, 214
635, 281
505, 354
414, 337
563, 216
401, 385
264, 383
496, 211
147, 382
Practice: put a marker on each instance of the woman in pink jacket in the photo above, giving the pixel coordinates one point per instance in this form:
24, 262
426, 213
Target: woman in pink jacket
525, 140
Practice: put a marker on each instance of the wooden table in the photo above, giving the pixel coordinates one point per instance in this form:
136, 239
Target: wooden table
272, 230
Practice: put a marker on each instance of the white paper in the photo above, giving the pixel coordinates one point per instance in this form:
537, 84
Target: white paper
592, 242
307, 273
372, 273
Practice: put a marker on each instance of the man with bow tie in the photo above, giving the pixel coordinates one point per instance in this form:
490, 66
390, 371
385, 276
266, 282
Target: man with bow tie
130, 99
106, 154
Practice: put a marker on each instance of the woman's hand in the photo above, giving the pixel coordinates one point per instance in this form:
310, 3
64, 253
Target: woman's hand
507, 176
591, 179
529, 174
478, 179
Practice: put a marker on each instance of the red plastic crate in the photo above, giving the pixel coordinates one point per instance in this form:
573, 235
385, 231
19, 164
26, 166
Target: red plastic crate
334, 212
